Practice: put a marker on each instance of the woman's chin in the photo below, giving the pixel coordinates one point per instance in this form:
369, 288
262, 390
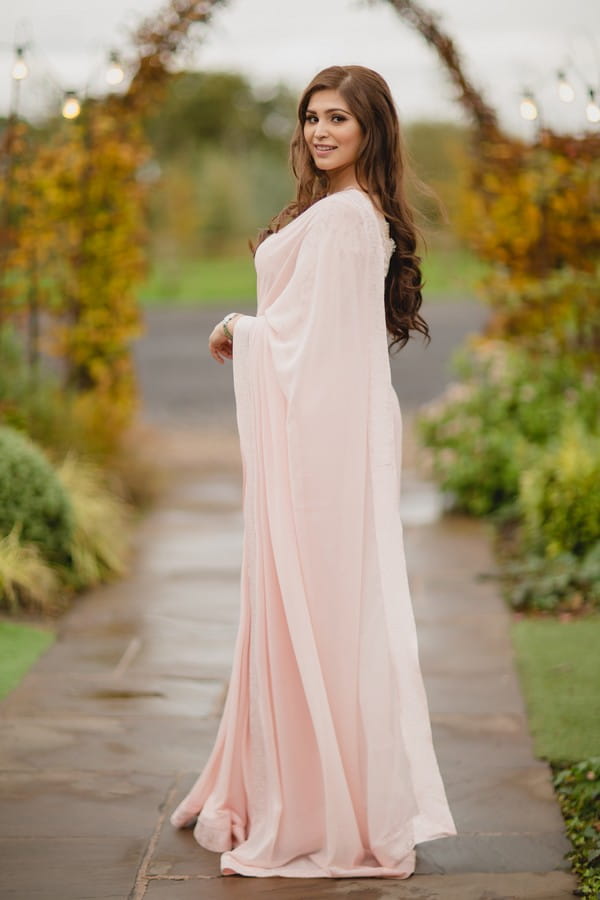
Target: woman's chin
324, 165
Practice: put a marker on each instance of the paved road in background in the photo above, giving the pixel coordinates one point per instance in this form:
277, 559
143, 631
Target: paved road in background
181, 383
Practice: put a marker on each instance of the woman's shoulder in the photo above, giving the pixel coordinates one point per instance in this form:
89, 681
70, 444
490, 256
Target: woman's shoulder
352, 216
349, 204
347, 218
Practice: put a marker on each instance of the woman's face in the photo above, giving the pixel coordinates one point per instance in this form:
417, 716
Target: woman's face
329, 123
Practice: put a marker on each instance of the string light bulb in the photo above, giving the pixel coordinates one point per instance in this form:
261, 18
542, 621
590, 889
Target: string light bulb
114, 73
565, 88
592, 110
528, 106
71, 106
20, 69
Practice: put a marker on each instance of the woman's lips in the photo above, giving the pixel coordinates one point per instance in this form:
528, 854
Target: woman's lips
324, 152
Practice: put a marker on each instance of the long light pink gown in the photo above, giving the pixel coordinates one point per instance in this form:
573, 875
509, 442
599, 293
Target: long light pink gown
323, 764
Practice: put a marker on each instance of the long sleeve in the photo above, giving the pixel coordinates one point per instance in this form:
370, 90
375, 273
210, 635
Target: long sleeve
310, 348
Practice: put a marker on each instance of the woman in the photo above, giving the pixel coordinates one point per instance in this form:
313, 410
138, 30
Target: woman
323, 764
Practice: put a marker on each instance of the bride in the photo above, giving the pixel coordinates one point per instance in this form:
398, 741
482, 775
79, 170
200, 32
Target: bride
323, 763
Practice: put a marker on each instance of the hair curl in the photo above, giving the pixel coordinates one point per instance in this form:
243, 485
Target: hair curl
383, 169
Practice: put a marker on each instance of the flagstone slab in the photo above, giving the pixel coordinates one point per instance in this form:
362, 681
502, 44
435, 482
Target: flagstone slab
106, 743
487, 886
71, 868
78, 804
131, 695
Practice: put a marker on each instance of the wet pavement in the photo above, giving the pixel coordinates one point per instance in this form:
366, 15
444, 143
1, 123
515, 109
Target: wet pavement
112, 725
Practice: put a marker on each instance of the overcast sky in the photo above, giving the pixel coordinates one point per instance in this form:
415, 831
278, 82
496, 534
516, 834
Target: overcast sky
506, 45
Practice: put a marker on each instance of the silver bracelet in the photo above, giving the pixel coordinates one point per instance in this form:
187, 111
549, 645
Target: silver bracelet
224, 322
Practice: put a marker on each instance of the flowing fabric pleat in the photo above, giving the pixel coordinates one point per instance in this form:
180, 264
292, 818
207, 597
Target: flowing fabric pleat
323, 764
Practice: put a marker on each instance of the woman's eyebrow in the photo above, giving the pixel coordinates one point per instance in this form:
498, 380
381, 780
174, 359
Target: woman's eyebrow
335, 109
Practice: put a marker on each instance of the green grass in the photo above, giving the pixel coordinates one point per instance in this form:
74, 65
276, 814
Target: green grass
202, 281
449, 272
559, 665
20, 646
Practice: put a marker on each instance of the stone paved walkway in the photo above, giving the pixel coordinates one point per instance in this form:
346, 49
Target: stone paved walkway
112, 725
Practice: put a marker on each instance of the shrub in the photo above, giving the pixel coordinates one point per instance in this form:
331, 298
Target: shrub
555, 314
70, 532
59, 421
26, 579
99, 544
32, 495
37, 404
481, 432
578, 788
565, 583
559, 494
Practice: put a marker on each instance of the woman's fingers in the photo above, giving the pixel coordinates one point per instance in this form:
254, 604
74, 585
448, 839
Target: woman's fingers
220, 349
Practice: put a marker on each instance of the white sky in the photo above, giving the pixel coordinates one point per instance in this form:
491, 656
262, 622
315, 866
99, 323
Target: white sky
506, 45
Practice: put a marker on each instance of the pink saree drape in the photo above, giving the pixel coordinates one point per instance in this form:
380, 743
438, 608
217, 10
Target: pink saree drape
323, 763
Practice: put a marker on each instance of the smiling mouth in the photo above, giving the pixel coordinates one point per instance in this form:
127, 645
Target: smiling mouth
323, 148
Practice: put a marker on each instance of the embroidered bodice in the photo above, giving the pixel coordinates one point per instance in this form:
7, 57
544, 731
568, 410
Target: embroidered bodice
273, 243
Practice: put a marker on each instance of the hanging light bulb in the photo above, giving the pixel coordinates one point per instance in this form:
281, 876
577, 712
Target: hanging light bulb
592, 109
565, 89
71, 106
528, 106
20, 69
114, 73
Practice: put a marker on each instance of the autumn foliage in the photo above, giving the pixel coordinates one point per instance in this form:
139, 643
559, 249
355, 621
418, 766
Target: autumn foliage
72, 229
75, 255
532, 210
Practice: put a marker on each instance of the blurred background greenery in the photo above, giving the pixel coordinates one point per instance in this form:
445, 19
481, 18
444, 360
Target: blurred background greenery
220, 170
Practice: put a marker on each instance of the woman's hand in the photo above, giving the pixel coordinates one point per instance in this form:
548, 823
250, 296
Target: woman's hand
219, 344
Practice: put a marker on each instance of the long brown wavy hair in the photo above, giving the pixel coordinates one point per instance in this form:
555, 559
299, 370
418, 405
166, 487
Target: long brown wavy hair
382, 168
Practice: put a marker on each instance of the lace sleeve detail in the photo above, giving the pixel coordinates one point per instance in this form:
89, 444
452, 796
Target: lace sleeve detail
389, 242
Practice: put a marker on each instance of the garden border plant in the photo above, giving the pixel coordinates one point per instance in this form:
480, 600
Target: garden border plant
517, 440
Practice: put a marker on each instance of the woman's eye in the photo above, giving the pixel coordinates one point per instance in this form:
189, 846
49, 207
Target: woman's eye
341, 118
